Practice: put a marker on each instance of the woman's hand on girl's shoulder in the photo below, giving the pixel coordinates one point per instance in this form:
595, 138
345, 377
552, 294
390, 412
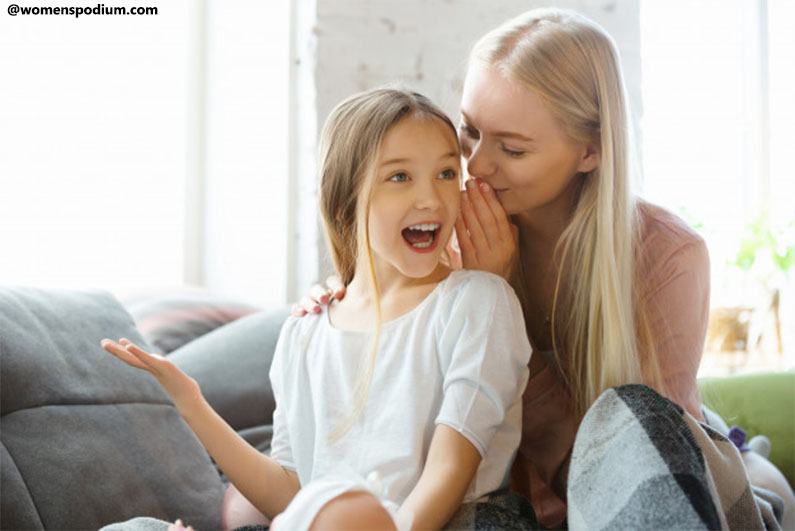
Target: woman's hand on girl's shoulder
488, 240
319, 296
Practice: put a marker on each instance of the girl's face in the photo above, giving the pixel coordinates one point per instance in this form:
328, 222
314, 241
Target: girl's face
415, 197
513, 142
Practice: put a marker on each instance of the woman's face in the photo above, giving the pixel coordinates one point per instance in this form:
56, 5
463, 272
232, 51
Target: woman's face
512, 142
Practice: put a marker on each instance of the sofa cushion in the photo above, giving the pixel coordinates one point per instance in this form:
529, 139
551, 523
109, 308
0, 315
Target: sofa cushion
87, 440
169, 319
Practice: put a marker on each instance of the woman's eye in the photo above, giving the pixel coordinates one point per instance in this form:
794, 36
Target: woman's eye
448, 175
399, 178
469, 131
513, 153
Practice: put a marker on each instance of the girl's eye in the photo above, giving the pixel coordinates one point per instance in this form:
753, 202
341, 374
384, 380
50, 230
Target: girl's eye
448, 175
399, 178
471, 132
512, 153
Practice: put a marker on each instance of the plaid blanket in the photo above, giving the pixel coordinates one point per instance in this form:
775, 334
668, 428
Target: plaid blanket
641, 462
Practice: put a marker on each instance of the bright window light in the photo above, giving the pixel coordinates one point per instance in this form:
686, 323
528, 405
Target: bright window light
92, 149
717, 141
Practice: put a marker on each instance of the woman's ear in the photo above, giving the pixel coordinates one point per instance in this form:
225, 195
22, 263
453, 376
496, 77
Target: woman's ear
591, 158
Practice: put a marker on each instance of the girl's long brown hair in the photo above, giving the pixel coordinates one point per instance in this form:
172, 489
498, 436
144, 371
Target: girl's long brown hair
349, 147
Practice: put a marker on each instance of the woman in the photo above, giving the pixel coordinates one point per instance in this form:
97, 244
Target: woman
614, 290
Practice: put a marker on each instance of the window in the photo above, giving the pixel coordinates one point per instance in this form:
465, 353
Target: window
92, 148
146, 151
717, 86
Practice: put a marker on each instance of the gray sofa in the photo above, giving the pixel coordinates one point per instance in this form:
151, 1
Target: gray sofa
88, 441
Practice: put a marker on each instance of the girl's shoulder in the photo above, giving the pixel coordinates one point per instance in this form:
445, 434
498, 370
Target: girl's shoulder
473, 291
473, 280
300, 329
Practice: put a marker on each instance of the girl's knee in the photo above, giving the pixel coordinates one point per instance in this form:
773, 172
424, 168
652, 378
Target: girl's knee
356, 510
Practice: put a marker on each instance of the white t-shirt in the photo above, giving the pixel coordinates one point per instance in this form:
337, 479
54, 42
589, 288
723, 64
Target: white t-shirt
459, 358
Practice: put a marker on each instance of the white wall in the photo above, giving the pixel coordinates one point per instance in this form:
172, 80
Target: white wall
360, 44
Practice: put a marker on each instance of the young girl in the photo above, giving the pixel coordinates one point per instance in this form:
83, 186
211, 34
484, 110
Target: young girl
414, 380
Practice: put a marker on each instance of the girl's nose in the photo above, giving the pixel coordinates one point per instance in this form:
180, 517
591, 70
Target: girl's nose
479, 164
427, 198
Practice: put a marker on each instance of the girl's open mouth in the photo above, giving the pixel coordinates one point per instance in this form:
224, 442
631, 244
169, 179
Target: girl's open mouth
422, 237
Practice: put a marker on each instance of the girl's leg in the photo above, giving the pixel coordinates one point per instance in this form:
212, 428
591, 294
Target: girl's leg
354, 511
237, 511
640, 461
340, 501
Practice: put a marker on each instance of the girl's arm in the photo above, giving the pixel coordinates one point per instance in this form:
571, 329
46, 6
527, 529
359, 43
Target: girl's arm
449, 468
264, 482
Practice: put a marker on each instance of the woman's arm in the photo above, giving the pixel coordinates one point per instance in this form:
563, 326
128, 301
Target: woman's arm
451, 464
263, 481
677, 299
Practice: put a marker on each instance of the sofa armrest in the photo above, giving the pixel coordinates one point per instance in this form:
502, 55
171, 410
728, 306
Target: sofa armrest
86, 439
761, 403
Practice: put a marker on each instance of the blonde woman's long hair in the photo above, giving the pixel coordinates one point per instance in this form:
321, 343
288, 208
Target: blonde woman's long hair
600, 328
349, 148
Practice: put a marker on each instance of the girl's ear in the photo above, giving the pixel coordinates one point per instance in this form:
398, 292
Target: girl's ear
591, 158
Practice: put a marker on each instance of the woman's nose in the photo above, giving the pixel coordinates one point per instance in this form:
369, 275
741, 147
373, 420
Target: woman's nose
478, 163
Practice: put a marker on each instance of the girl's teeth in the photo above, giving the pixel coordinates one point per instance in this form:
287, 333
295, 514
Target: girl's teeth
425, 226
423, 245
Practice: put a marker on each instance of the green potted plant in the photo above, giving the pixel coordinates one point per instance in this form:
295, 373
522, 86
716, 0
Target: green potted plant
767, 253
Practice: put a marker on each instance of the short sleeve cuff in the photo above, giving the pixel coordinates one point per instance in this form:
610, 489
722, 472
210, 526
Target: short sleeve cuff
284, 462
470, 411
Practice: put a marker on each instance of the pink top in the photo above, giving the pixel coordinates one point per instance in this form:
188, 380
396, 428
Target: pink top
677, 295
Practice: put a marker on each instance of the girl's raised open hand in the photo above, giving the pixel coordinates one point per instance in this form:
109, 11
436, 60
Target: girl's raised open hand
487, 239
182, 389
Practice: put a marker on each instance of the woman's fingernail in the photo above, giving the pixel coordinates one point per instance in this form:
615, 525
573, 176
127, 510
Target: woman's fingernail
470, 183
315, 309
484, 187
